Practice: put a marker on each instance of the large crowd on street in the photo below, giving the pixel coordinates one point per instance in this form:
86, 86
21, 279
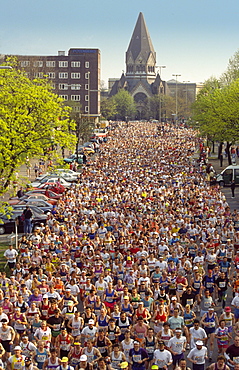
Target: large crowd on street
136, 268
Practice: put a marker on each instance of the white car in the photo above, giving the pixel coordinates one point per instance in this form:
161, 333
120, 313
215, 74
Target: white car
64, 174
37, 184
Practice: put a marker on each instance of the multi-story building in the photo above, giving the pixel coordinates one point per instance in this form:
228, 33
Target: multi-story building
75, 77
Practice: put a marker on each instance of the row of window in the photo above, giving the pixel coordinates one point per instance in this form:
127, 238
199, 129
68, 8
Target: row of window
52, 63
62, 75
74, 97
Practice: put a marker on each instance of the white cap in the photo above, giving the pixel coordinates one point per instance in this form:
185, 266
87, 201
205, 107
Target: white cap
17, 348
199, 343
83, 358
91, 322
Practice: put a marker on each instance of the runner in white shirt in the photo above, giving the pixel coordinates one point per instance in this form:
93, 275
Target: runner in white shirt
198, 355
162, 357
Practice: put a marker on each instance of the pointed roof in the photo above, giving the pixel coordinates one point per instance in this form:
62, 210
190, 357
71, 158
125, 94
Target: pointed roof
140, 41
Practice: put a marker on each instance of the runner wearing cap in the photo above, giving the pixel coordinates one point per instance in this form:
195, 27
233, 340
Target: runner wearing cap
75, 355
229, 318
16, 361
124, 365
29, 365
65, 364
198, 355
89, 332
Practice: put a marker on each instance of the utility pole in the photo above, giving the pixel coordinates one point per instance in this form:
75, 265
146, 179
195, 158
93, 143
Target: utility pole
176, 95
160, 105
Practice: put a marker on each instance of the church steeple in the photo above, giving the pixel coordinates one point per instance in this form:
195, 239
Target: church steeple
140, 56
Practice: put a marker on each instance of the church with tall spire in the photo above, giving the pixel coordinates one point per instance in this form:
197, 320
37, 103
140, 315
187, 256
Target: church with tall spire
140, 78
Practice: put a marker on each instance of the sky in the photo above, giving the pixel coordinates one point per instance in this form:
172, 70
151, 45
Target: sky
192, 38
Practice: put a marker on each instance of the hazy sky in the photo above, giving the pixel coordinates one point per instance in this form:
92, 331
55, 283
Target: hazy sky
192, 38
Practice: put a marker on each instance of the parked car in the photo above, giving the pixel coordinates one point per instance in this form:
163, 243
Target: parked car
56, 188
73, 158
227, 175
48, 193
7, 221
86, 149
38, 196
51, 179
39, 203
66, 175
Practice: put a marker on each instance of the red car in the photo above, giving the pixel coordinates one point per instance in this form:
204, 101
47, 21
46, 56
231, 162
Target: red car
58, 189
48, 193
33, 196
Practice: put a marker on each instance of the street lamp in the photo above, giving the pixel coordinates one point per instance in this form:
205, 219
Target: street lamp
176, 93
5, 67
186, 88
160, 105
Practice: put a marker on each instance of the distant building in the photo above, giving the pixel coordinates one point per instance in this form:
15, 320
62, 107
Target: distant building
140, 79
75, 77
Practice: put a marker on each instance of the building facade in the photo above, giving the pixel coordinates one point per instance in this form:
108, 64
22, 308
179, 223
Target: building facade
75, 77
141, 79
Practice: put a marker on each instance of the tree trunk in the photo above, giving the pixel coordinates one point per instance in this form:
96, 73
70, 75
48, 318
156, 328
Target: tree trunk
213, 146
220, 149
229, 153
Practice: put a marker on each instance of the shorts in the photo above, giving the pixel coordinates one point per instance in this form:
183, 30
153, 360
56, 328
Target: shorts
220, 346
211, 266
236, 313
11, 265
20, 331
209, 330
6, 345
55, 333
177, 358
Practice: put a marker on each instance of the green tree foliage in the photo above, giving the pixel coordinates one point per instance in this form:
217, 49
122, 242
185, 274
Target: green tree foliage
125, 104
108, 108
216, 111
32, 118
232, 71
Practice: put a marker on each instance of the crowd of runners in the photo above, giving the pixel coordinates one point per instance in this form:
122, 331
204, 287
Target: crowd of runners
136, 268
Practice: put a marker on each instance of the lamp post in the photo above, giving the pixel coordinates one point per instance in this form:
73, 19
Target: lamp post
186, 89
160, 105
5, 67
176, 93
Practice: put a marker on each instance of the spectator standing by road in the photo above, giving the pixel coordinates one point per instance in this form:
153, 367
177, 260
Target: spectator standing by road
27, 214
233, 186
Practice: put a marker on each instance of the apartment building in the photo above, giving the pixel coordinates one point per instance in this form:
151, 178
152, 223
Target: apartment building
75, 77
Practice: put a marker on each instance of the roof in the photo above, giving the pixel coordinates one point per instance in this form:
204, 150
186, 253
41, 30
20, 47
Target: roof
140, 42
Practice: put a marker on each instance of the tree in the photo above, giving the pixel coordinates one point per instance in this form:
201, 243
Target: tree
32, 118
125, 104
216, 112
108, 108
232, 71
